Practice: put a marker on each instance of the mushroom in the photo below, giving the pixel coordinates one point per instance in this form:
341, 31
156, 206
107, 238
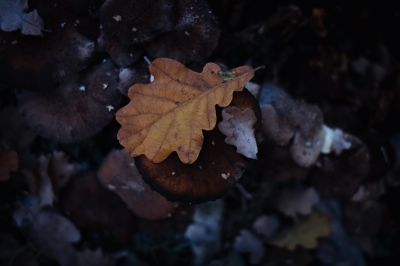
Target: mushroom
193, 38
121, 55
217, 168
214, 172
139, 73
45, 63
136, 21
75, 110
118, 173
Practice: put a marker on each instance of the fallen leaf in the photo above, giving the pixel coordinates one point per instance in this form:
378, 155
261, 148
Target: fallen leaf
238, 127
247, 242
205, 231
13, 16
341, 247
54, 234
48, 174
266, 225
119, 174
60, 169
304, 233
170, 113
47, 230
253, 88
293, 123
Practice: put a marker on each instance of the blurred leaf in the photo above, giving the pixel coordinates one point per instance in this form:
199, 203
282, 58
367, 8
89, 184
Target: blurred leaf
247, 242
266, 225
238, 127
304, 233
13, 16
205, 231
294, 201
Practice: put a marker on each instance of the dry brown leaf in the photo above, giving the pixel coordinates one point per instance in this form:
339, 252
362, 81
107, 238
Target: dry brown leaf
170, 113
120, 175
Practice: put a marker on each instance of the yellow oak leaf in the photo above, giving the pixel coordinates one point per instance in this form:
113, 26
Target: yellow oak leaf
170, 113
304, 233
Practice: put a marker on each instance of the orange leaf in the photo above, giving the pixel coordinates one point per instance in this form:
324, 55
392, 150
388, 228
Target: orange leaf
170, 113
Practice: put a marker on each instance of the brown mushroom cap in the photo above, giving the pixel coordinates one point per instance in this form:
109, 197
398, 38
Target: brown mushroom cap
118, 173
121, 55
45, 63
136, 21
245, 99
217, 168
194, 37
75, 110
214, 172
139, 73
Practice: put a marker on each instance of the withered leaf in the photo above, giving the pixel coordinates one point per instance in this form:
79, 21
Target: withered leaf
217, 168
304, 233
170, 113
238, 127
120, 175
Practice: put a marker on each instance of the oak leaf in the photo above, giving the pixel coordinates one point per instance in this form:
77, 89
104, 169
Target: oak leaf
304, 233
170, 113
